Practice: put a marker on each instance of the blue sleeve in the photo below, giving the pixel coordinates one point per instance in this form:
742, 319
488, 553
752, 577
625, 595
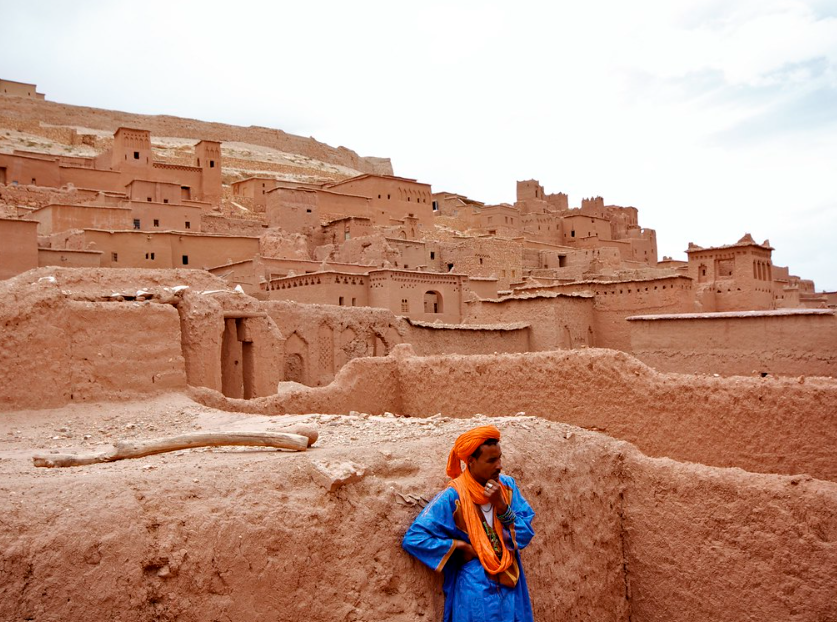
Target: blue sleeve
524, 514
430, 538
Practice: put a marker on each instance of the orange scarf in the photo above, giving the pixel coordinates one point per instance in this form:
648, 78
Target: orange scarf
472, 493
471, 490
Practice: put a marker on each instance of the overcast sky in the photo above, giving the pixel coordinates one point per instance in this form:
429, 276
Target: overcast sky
713, 117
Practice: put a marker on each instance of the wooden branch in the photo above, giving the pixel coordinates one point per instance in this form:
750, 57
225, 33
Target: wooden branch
141, 448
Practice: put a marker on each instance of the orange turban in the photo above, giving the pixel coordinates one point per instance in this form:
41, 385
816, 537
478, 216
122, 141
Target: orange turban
466, 445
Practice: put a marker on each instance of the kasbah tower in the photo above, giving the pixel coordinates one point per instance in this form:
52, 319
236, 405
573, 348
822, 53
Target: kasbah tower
176, 287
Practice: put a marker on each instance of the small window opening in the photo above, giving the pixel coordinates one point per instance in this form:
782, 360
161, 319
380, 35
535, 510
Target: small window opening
136, 223
354, 302
136, 155
156, 222
185, 260
188, 225
340, 301
308, 211
432, 255
148, 199
114, 257
165, 200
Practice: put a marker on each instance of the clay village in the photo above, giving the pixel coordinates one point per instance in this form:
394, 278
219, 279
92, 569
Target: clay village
197, 297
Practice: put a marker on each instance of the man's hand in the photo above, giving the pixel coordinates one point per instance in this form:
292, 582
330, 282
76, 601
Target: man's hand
468, 552
495, 495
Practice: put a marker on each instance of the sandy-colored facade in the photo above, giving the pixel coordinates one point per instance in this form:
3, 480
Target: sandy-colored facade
10, 88
19, 247
391, 198
423, 296
254, 190
736, 277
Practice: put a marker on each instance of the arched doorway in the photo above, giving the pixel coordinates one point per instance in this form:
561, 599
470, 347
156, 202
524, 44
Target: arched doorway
433, 302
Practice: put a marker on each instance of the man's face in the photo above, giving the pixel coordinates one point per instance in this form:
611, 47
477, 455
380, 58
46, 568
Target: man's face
488, 465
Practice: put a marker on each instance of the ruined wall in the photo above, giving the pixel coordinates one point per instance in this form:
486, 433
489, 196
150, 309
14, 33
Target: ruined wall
722, 544
229, 344
618, 536
760, 424
121, 351
427, 339
96, 334
787, 342
321, 339
69, 258
14, 197
245, 538
57, 351
556, 321
19, 247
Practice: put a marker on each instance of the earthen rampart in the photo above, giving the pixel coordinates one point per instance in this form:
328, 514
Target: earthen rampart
58, 350
617, 532
427, 338
787, 342
772, 425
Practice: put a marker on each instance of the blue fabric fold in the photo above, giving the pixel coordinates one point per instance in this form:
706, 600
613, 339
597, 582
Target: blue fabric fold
471, 595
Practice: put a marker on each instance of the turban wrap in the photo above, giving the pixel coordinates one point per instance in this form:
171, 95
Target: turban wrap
466, 445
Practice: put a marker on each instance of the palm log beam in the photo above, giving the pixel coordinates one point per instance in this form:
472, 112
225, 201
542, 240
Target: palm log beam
140, 448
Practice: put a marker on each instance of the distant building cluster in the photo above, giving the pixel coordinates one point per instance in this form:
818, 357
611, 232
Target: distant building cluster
372, 241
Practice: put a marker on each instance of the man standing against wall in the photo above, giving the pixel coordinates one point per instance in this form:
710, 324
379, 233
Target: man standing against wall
473, 532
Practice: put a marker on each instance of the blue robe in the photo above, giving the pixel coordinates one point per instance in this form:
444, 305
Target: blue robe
470, 594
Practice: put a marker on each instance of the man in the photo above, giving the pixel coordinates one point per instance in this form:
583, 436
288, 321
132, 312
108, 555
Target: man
473, 531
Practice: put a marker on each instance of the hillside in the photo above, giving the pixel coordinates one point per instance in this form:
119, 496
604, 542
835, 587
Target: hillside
38, 125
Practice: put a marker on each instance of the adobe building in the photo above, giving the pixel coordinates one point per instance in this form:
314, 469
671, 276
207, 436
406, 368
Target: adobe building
735, 277
163, 249
423, 296
114, 170
392, 198
302, 208
10, 88
253, 191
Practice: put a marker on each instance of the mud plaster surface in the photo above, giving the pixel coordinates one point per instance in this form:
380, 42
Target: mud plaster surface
256, 534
